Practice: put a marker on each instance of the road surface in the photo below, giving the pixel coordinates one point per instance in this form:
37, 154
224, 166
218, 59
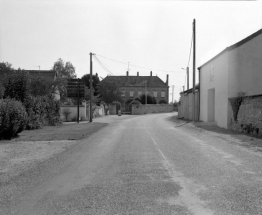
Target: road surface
143, 165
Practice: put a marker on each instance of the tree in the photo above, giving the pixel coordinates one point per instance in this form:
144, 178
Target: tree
6, 67
150, 99
64, 70
108, 92
95, 82
16, 85
41, 86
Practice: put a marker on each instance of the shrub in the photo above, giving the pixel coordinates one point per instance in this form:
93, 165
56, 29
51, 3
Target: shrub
13, 118
162, 102
66, 113
35, 108
52, 110
42, 110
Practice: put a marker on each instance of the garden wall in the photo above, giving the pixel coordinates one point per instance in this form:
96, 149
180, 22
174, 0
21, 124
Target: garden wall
151, 108
73, 112
246, 115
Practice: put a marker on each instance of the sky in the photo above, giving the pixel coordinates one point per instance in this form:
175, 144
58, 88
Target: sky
142, 35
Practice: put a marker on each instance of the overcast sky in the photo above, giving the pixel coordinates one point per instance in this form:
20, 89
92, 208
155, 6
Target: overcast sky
152, 34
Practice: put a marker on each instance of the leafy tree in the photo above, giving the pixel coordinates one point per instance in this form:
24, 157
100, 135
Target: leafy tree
64, 70
150, 99
40, 86
109, 92
16, 85
95, 82
6, 67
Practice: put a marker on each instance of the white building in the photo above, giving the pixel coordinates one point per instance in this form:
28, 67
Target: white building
235, 71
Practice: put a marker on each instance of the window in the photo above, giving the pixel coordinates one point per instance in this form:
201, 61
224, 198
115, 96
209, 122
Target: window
163, 94
212, 73
131, 94
155, 94
139, 93
123, 93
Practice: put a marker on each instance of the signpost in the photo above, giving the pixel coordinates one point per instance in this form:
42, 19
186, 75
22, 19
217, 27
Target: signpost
75, 89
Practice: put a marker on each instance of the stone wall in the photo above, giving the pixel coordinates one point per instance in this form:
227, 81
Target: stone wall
151, 108
249, 116
73, 113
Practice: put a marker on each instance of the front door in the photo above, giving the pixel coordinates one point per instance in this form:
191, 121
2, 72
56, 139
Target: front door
211, 105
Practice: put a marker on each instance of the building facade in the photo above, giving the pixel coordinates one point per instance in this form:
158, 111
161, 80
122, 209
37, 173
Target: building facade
135, 86
234, 72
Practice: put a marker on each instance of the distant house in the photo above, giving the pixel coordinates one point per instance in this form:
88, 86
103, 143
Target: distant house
230, 81
134, 86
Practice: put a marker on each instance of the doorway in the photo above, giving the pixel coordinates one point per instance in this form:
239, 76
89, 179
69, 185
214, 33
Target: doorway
211, 105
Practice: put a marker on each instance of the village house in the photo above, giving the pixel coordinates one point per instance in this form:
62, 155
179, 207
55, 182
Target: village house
135, 86
230, 86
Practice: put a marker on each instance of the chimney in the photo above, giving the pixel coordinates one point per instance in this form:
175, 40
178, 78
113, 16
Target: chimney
167, 79
126, 73
137, 73
151, 73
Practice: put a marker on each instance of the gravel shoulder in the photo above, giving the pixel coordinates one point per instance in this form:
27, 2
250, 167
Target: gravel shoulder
32, 147
243, 140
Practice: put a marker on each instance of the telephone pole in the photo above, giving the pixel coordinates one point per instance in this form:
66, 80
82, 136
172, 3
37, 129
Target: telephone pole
91, 86
194, 68
187, 73
173, 94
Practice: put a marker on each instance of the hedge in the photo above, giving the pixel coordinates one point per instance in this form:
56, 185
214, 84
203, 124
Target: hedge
13, 118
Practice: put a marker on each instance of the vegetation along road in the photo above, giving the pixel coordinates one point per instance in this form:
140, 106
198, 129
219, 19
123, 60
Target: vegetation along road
150, 164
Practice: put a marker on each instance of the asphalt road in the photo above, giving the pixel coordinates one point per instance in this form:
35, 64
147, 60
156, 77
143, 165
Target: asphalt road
144, 165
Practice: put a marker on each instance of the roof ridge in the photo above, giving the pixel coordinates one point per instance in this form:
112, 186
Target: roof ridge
239, 43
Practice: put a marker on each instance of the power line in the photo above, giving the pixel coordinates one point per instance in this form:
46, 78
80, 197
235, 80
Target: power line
102, 65
190, 50
161, 70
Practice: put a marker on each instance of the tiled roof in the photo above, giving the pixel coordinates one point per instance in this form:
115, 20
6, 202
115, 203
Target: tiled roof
123, 81
245, 40
43, 73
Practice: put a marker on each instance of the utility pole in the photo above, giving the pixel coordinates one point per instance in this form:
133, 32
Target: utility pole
91, 86
194, 68
187, 73
173, 94
78, 89
146, 93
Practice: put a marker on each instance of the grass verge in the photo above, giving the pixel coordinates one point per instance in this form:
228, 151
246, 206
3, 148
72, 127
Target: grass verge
75, 131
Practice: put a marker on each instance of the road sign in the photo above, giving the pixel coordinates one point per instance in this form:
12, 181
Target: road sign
75, 88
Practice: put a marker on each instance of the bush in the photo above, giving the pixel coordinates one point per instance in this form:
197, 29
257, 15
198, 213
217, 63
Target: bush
42, 110
35, 108
13, 118
162, 102
52, 109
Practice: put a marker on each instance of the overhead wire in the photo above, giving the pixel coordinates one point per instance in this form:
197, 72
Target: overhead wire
138, 66
103, 66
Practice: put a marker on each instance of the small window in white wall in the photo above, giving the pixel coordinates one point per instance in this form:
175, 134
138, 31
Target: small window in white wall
131, 94
155, 94
163, 94
212, 73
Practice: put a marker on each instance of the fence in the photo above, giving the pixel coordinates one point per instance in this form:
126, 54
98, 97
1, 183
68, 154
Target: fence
185, 108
